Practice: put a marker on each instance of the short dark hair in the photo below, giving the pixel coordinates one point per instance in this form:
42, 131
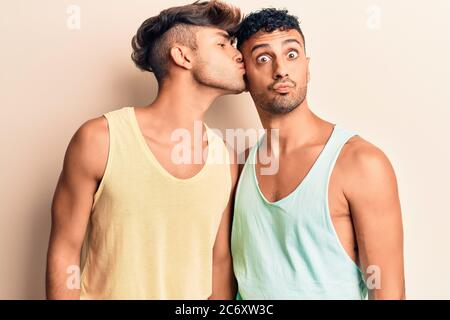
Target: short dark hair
267, 20
153, 40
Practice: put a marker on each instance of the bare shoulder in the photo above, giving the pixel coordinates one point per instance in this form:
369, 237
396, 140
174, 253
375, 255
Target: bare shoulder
365, 166
361, 154
88, 149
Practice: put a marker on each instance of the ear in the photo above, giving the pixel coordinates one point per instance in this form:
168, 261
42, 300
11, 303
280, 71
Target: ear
181, 56
307, 70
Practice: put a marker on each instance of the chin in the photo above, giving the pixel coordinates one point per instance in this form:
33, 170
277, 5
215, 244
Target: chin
237, 89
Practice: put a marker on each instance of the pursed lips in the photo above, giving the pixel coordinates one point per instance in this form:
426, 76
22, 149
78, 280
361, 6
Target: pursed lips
282, 85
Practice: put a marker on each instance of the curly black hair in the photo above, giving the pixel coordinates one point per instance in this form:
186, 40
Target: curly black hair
267, 20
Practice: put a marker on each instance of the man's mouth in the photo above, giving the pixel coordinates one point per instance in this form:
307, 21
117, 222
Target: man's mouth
283, 87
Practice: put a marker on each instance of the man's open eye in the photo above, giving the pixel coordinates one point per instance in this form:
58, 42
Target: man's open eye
263, 59
222, 45
292, 54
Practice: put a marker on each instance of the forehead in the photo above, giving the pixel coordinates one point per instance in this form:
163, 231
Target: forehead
207, 33
273, 39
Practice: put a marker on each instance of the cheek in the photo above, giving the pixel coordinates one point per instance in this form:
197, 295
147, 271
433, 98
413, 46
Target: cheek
217, 56
256, 85
256, 78
302, 79
223, 59
210, 55
299, 73
212, 64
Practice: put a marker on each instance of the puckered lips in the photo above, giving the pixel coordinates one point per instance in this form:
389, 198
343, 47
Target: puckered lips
283, 87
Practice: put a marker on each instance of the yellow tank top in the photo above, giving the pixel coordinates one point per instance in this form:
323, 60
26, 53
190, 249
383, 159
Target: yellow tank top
150, 234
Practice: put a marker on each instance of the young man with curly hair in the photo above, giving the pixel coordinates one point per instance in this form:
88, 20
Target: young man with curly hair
328, 224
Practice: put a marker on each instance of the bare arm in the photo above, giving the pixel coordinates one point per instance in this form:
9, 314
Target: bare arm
83, 168
372, 193
224, 282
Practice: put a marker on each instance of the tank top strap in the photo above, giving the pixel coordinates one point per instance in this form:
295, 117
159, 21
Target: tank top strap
324, 165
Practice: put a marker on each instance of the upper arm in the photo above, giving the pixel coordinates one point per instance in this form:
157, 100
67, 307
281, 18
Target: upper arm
372, 193
83, 167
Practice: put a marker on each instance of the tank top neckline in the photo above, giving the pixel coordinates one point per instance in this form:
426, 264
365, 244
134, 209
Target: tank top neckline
155, 162
301, 183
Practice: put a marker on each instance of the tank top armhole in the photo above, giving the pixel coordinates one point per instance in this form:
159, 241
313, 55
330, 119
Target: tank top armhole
328, 219
106, 173
85, 249
241, 177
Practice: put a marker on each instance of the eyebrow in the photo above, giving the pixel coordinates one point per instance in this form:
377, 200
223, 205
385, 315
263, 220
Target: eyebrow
265, 45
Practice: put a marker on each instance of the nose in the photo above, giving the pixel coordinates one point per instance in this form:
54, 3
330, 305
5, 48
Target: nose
238, 57
280, 70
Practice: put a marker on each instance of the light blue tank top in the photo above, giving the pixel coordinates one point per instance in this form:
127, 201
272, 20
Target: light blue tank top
289, 249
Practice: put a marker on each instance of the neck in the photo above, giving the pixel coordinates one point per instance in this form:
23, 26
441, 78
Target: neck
295, 129
180, 103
